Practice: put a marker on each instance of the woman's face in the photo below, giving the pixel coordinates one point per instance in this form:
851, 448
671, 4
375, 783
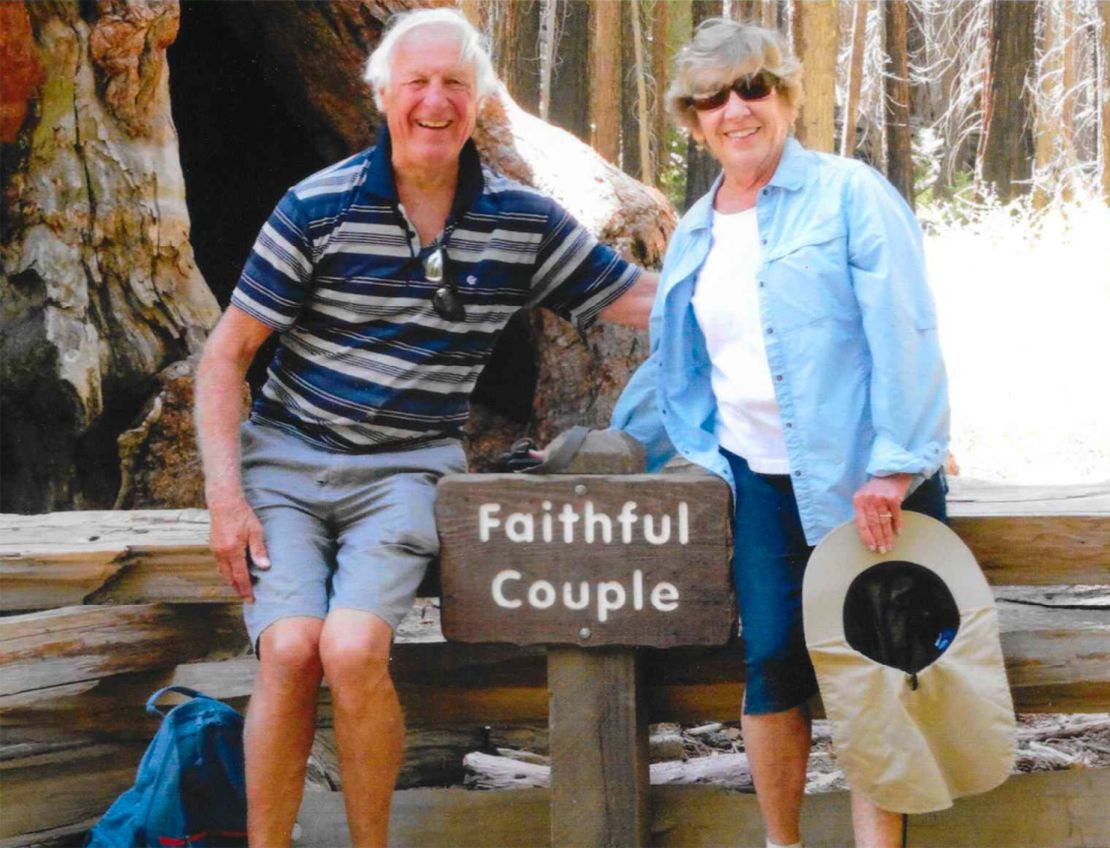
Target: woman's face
746, 136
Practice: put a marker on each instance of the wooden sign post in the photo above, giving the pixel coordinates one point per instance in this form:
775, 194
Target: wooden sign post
596, 567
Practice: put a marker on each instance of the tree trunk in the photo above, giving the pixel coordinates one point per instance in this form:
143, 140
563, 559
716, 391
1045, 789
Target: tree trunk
570, 77
516, 40
548, 36
815, 42
701, 167
605, 78
659, 58
746, 11
642, 108
1104, 88
630, 123
104, 292
1070, 34
855, 79
899, 169
476, 12
1005, 148
1047, 123
100, 287
771, 16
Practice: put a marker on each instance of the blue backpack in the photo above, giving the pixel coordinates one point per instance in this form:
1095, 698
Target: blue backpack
189, 789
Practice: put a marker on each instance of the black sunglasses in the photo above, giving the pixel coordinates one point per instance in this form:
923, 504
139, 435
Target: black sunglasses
751, 87
446, 300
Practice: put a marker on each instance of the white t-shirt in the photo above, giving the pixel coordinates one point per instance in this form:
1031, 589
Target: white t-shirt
726, 304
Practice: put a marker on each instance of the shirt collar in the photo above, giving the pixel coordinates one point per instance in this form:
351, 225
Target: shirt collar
380, 181
789, 174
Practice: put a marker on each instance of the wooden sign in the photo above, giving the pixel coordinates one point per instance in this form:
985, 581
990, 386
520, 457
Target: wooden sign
588, 560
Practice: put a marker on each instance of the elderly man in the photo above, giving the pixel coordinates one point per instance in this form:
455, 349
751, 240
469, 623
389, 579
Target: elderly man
389, 276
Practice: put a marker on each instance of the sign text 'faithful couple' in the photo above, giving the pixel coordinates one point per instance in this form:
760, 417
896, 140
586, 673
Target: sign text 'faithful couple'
589, 560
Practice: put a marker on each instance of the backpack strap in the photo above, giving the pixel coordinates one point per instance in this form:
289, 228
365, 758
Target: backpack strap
183, 690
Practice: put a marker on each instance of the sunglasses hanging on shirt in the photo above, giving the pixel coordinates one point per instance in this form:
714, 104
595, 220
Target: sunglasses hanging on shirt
749, 88
446, 300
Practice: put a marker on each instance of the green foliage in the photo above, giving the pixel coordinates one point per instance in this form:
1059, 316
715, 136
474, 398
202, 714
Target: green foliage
671, 179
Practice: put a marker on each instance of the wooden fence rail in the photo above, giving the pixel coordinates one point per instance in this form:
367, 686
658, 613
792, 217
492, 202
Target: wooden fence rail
103, 607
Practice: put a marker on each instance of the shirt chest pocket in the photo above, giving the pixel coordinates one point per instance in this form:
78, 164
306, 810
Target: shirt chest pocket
807, 278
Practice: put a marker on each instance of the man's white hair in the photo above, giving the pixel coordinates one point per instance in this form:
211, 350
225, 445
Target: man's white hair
472, 50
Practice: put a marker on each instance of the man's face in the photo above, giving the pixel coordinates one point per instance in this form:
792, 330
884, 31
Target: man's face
431, 102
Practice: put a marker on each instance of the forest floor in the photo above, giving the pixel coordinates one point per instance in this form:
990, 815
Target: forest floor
713, 754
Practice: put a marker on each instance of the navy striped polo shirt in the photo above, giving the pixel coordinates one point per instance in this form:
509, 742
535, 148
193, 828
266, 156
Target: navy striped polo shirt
364, 362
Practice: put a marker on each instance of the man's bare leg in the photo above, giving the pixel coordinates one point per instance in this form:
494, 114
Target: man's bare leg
873, 826
369, 728
279, 728
778, 751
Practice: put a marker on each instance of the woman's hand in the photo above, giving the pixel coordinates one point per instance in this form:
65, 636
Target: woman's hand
878, 506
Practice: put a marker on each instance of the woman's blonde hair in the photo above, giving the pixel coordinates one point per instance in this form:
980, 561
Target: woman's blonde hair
720, 52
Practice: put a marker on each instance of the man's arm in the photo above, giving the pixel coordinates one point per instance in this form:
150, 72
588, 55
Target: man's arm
633, 308
219, 411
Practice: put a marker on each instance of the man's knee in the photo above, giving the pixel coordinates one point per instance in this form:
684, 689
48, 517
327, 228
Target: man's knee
290, 653
354, 650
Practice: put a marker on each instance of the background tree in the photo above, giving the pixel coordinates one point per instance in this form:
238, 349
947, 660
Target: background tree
516, 49
701, 168
570, 75
660, 59
1005, 149
605, 78
899, 157
1049, 102
1104, 89
854, 81
815, 42
630, 102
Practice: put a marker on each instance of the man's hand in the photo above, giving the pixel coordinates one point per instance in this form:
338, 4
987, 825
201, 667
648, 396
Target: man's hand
236, 530
219, 391
878, 506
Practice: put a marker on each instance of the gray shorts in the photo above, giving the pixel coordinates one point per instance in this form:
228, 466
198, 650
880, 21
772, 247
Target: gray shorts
353, 531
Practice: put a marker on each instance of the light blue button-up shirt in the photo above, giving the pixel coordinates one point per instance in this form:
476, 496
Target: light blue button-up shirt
850, 331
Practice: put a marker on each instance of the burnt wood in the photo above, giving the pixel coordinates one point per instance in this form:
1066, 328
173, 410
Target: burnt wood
518, 552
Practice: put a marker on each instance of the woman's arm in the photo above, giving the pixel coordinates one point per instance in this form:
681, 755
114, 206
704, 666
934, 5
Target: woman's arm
909, 387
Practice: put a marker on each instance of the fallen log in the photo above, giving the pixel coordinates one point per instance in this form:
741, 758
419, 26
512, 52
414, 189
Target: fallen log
72, 645
1058, 660
1032, 535
66, 558
51, 792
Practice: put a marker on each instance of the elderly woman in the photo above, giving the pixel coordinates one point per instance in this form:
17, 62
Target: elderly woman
794, 353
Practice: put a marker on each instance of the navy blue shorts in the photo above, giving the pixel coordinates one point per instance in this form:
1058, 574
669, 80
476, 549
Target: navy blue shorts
768, 564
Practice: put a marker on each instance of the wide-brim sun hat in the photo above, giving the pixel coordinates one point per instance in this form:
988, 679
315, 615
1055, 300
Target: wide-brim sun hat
909, 662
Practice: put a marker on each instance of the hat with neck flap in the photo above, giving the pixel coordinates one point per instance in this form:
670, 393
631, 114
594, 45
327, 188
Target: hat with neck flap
909, 664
